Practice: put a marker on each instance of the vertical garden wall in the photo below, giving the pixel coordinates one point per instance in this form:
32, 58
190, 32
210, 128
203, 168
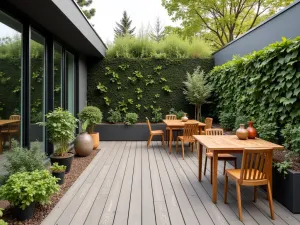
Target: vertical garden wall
147, 87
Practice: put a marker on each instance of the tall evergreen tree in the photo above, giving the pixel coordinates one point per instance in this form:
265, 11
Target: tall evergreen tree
124, 27
158, 31
89, 13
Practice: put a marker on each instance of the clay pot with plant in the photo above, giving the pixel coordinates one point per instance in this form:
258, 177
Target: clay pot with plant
94, 116
84, 143
58, 171
24, 189
61, 125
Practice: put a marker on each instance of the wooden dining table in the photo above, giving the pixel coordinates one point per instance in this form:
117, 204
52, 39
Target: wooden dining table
172, 124
4, 123
228, 144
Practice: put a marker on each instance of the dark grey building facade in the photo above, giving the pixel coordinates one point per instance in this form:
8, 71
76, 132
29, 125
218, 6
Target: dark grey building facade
45, 46
283, 24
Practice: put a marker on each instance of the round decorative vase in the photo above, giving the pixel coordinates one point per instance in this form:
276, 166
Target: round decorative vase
251, 130
83, 144
96, 139
242, 133
184, 118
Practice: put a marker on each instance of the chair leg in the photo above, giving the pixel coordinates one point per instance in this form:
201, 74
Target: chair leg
211, 169
177, 145
192, 146
226, 189
271, 201
224, 167
205, 163
167, 137
163, 140
238, 194
182, 148
149, 140
255, 194
235, 164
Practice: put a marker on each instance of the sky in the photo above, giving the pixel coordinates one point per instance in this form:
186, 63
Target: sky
141, 12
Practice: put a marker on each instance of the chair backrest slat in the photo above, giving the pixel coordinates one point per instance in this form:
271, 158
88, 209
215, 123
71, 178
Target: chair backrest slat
171, 117
149, 125
208, 122
254, 164
215, 131
190, 129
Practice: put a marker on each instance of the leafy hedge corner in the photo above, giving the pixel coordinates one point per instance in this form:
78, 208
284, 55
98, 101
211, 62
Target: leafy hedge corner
263, 84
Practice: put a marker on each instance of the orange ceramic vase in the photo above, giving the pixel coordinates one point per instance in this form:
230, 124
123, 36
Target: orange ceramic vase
251, 130
96, 140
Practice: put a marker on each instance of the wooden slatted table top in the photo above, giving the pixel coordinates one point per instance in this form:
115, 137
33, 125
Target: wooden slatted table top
4, 122
179, 123
231, 142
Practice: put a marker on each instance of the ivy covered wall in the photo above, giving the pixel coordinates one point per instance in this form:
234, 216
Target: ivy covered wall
143, 86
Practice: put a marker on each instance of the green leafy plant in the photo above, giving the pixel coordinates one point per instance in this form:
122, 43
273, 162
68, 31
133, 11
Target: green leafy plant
227, 120
24, 160
162, 79
197, 90
84, 126
2, 222
122, 106
108, 71
282, 167
156, 95
179, 114
115, 116
115, 77
57, 168
106, 100
157, 69
61, 126
138, 74
93, 114
149, 80
167, 89
291, 135
138, 106
156, 115
139, 92
131, 118
130, 101
102, 88
132, 79
23, 188
123, 67
267, 130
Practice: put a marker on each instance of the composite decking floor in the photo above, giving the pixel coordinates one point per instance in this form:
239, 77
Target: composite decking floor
127, 183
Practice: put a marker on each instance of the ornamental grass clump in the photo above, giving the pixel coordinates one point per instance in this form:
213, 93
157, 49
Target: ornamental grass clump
61, 126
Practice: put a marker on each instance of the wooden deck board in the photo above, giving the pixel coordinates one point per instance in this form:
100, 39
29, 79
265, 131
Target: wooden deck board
127, 183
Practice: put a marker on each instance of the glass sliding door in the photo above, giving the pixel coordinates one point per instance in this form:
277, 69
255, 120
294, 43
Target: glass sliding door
37, 82
70, 82
57, 75
10, 80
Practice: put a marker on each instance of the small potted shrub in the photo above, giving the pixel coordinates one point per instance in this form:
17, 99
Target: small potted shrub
131, 118
94, 116
61, 126
84, 142
58, 171
24, 189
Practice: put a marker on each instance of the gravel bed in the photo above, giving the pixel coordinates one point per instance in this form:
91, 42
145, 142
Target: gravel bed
41, 212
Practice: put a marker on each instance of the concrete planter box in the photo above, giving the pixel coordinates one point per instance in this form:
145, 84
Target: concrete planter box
286, 191
122, 132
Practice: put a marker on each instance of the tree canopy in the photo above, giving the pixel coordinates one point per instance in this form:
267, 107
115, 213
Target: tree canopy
220, 21
84, 5
124, 27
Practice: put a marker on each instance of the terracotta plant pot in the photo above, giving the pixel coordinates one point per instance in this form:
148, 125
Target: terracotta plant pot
96, 139
84, 144
251, 130
242, 133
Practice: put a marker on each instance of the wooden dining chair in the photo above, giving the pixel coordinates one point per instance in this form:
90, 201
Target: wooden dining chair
221, 157
208, 124
12, 129
190, 129
154, 133
177, 130
253, 172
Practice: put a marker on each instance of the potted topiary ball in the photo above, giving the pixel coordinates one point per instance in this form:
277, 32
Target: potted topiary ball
84, 143
24, 189
61, 126
58, 171
94, 116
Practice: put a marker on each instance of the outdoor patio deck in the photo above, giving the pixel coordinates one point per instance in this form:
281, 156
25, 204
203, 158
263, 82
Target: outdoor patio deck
128, 184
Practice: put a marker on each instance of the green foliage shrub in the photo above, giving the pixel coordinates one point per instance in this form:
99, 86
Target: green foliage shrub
115, 116
199, 49
227, 120
263, 83
61, 126
2, 222
240, 119
92, 114
131, 118
156, 115
267, 131
24, 160
291, 135
179, 114
24, 188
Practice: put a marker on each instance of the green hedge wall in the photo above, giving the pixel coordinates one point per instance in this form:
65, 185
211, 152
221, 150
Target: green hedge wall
161, 72
264, 85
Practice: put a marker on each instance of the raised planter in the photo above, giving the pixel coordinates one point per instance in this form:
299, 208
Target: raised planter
286, 191
122, 132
